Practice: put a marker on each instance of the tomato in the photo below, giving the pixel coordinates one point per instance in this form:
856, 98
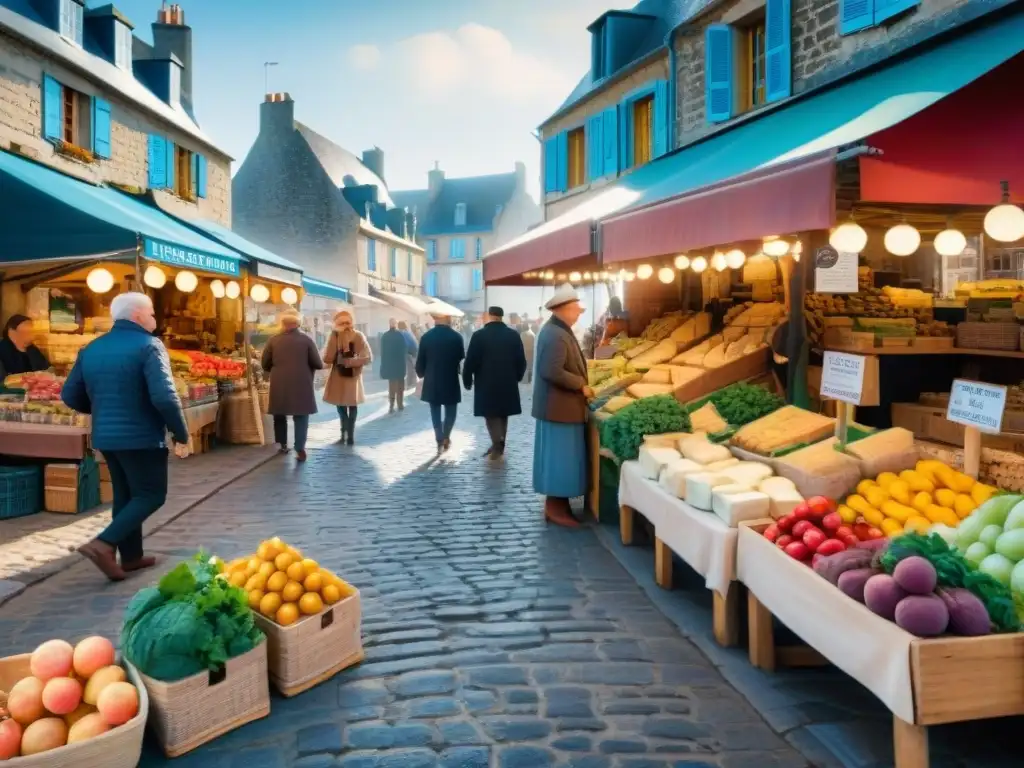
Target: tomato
814, 538
771, 532
874, 533
786, 523
801, 511
821, 506
798, 550
832, 522
800, 527
831, 547
860, 530
784, 540
843, 530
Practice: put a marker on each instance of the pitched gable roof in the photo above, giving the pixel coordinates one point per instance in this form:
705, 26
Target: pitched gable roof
343, 168
482, 195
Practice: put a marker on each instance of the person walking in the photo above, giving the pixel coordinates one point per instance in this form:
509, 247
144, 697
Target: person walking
410, 356
495, 364
347, 353
529, 339
393, 354
437, 363
560, 395
290, 358
123, 379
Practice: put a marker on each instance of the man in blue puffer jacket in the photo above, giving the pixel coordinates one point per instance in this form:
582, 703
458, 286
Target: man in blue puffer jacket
124, 380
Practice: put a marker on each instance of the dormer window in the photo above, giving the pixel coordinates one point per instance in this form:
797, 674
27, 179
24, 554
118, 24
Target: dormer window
122, 46
460, 214
174, 93
72, 20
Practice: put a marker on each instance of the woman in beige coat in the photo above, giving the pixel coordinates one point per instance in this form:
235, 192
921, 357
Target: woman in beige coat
347, 353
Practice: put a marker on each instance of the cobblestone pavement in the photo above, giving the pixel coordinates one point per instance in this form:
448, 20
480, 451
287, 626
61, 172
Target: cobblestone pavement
492, 640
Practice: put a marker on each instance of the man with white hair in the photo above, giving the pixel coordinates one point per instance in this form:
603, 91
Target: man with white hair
123, 379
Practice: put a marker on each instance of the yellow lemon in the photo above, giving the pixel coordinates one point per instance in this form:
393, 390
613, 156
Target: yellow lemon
269, 604
276, 582
254, 598
314, 582
238, 579
331, 594
310, 603
296, 572
268, 550
236, 565
253, 566
310, 565
283, 560
292, 592
268, 568
256, 581
287, 614
296, 555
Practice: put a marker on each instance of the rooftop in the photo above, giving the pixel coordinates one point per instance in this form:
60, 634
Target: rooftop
482, 196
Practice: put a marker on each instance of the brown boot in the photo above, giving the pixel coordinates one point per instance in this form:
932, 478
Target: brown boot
103, 557
557, 511
146, 561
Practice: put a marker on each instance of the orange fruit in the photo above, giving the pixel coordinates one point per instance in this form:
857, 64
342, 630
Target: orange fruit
269, 604
276, 582
314, 582
310, 565
331, 594
283, 560
287, 614
296, 572
293, 552
238, 579
267, 568
254, 598
256, 581
292, 592
310, 603
252, 566
268, 550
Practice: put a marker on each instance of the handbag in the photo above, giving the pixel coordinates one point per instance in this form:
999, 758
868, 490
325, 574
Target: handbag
342, 354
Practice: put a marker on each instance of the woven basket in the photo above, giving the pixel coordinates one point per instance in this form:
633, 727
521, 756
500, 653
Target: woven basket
237, 420
1004, 336
314, 649
118, 748
191, 712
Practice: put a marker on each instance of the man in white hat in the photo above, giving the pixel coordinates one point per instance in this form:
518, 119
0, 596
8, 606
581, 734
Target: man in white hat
560, 395
437, 362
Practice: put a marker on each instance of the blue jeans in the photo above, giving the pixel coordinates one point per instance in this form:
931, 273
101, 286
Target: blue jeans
139, 478
301, 430
443, 431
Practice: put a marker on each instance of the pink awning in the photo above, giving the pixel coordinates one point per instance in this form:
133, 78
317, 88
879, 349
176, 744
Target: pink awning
553, 244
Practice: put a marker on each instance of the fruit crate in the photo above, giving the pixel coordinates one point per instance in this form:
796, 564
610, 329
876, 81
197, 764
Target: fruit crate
20, 491
72, 488
119, 747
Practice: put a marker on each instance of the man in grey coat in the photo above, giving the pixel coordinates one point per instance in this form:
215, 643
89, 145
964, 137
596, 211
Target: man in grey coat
290, 358
529, 339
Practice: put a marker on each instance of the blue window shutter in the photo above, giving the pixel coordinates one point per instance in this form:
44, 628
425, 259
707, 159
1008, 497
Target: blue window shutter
778, 59
201, 175
169, 162
595, 147
610, 139
562, 183
194, 171
718, 70
886, 9
479, 249
157, 162
551, 164
855, 15
101, 128
662, 114
53, 109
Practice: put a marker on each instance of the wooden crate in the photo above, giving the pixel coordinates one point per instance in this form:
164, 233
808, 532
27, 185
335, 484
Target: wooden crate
106, 492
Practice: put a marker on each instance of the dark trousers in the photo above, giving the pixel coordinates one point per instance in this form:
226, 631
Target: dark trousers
396, 393
443, 426
347, 414
497, 428
301, 430
140, 488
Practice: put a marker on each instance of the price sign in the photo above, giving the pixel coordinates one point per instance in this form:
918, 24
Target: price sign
978, 405
835, 272
842, 377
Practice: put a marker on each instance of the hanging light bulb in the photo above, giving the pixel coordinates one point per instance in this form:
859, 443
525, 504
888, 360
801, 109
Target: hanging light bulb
586, 276
699, 264
644, 271
99, 280
232, 290
562, 278
1005, 222
549, 275
289, 295
217, 289
666, 275
902, 240
154, 277
798, 248
186, 281
629, 277
775, 246
849, 237
604, 276
574, 277
796, 257
259, 293
682, 261
718, 261
735, 258
949, 242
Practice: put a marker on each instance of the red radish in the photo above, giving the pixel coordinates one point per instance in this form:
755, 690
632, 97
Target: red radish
798, 550
850, 540
820, 506
801, 527
842, 531
814, 538
801, 511
831, 547
786, 523
860, 530
875, 533
832, 522
771, 532
783, 541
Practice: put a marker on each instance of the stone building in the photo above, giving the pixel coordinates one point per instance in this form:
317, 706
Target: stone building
81, 93
462, 220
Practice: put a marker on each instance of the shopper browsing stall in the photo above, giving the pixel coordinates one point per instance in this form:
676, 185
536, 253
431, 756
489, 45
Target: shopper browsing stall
347, 353
290, 358
17, 352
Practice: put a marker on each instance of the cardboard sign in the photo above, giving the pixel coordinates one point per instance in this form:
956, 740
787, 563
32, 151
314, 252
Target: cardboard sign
842, 377
835, 272
975, 404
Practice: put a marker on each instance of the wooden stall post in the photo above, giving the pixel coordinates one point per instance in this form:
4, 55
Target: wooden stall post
726, 615
250, 383
662, 564
979, 407
626, 524
593, 500
909, 744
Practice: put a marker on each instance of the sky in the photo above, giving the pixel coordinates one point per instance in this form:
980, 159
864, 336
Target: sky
463, 83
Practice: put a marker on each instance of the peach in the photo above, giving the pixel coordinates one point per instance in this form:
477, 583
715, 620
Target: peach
25, 700
62, 695
100, 680
10, 739
44, 735
81, 711
89, 727
118, 703
91, 655
52, 659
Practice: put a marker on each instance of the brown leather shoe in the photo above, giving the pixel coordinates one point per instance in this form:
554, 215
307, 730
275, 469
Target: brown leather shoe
102, 556
147, 561
300, 455
557, 511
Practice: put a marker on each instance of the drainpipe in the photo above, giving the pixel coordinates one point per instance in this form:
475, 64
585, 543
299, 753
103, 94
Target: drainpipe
670, 41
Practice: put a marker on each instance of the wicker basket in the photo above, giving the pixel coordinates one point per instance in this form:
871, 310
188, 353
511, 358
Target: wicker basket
237, 420
314, 649
118, 748
1004, 336
191, 712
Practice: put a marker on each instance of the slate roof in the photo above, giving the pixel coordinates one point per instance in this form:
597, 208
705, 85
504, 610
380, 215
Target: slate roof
344, 168
481, 194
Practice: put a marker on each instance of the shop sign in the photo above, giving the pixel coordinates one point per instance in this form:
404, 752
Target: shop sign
178, 256
279, 274
842, 377
978, 405
834, 271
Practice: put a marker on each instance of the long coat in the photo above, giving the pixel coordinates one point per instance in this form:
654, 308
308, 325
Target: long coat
561, 375
437, 363
495, 364
290, 358
341, 389
393, 351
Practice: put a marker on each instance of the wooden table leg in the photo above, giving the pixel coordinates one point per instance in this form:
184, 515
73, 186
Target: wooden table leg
662, 564
594, 460
726, 616
759, 635
626, 524
910, 744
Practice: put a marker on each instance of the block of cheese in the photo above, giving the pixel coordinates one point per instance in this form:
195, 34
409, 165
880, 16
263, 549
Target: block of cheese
639, 349
685, 333
735, 507
703, 451
647, 390
723, 464
749, 473
662, 352
703, 320
888, 450
653, 459
699, 487
658, 374
707, 419
733, 333
673, 476
617, 403
716, 358
783, 496
684, 374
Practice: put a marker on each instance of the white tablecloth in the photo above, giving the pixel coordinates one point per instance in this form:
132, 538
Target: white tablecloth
871, 650
701, 539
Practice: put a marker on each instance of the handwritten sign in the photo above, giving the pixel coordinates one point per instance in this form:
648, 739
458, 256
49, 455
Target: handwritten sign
975, 404
842, 377
835, 272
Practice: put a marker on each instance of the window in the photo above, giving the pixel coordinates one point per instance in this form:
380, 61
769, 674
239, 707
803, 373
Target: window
643, 130
457, 249
754, 81
855, 15
431, 284
577, 158
76, 111
123, 46
479, 249
71, 15
184, 183
394, 262
431, 250
478, 279
371, 255
459, 282
460, 214
408, 265
174, 89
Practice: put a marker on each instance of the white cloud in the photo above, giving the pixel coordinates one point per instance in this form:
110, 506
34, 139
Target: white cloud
364, 57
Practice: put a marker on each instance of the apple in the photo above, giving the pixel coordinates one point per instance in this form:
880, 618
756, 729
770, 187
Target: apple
821, 506
850, 540
830, 547
786, 523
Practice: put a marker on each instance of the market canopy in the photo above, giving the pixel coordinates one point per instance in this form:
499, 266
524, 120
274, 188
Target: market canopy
325, 290
775, 174
265, 263
50, 215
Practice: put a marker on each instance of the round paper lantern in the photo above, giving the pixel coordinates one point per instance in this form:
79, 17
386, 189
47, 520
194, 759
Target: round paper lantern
629, 277
154, 277
586, 276
666, 275
775, 247
259, 293
549, 275
217, 289
682, 261
289, 295
186, 281
99, 280
699, 264
644, 271
902, 240
718, 261
1005, 223
950, 242
574, 277
735, 258
605, 276
232, 290
848, 238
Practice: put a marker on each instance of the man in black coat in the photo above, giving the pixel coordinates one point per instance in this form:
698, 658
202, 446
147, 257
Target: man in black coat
437, 363
495, 364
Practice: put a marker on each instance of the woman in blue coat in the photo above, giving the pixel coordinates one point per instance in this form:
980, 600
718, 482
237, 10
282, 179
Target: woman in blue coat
437, 363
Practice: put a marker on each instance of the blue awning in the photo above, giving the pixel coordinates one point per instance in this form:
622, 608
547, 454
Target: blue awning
325, 290
48, 215
266, 263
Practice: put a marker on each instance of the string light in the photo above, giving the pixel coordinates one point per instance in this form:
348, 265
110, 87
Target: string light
259, 293
154, 277
186, 281
574, 277
699, 264
774, 246
1005, 222
950, 242
849, 237
718, 261
902, 240
99, 280
644, 271
682, 261
666, 275
232, 290
289, 295
735, 258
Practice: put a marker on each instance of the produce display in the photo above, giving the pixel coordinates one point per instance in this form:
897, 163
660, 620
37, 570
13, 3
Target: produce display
991, 539
624, 433
74, 693
40, 403
193, 620
742, 403
283, 585
784, 428
198, 366
815, 529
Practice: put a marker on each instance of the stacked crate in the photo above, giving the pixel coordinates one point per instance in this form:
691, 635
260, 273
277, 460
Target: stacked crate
71, 488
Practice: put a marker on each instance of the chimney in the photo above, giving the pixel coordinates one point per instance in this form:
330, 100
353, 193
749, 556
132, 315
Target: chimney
520, 176
172, 37
277, 113
374, 160
435, 180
